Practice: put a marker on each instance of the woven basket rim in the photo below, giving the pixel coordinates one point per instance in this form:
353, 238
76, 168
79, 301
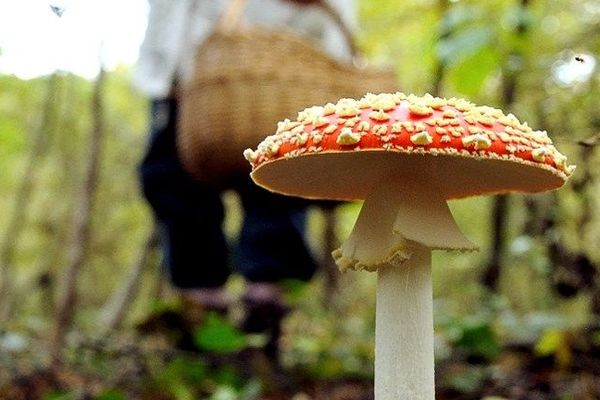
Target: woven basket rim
246, 32
217, 76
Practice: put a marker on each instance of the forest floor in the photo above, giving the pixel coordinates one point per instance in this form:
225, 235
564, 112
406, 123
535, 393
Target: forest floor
515, 376
148, 366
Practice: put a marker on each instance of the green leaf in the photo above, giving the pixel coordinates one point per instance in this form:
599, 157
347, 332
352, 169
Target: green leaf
219, 336
468, 76
549, 343
294, 289
189, 370
227, 375
477, 337
464, 44
60, 395
181, 392
111, 395
555, 343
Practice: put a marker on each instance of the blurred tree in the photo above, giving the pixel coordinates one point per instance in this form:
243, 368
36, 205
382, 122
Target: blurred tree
79, 241
499, 214
22, 202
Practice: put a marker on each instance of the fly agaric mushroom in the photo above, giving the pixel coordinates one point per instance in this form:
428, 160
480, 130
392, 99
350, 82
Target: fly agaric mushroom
405, 156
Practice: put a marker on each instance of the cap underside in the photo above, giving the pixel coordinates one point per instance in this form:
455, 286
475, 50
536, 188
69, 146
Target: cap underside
353, 175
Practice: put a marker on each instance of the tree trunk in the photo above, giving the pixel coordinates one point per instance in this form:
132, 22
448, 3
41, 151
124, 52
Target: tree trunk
329, 244
500, 208
499, 218
18, 217
80, 233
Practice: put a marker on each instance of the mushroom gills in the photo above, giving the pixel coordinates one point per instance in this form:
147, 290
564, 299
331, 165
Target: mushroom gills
394, 216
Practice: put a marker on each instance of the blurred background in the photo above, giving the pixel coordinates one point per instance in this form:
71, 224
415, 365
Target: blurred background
517, 320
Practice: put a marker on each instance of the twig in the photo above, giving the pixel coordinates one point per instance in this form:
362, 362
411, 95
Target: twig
116, 307
78, 244
590, 141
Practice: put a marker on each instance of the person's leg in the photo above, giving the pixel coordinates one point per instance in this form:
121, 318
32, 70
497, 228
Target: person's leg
272, 245
189, 214
271, 249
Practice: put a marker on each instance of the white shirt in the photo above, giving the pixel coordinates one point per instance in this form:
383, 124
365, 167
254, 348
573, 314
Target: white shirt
176, 27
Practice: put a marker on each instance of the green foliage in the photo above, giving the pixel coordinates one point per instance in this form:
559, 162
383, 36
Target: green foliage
475, 336
10, 143
180, 379
335, 342
295, 290
555, 343
189, 378
188, 370
218, 335
111, 395
61, 395
468, 380
470, 71
464, 44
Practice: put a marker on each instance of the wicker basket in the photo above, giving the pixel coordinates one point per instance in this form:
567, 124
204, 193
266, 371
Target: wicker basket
245, 81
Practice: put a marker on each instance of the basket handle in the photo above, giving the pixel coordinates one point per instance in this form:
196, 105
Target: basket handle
232, 15
341, 24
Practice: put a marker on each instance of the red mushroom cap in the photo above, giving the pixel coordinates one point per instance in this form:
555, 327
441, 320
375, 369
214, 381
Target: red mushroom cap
340, 151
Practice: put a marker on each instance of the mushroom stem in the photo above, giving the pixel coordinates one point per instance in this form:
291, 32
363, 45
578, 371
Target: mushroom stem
404, 365
398, 226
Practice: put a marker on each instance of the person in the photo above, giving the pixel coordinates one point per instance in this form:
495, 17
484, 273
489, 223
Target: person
271, 246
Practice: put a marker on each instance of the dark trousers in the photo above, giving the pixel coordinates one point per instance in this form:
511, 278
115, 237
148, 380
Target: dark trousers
190, 214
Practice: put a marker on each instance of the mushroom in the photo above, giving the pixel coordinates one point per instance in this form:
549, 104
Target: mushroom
405, 156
